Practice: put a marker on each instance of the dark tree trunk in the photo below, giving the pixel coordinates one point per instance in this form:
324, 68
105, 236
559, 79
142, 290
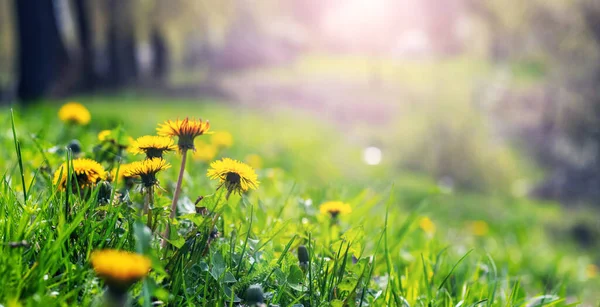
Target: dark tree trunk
86, 39
122, 60
41, 52
160, 60
591, 14
499, 47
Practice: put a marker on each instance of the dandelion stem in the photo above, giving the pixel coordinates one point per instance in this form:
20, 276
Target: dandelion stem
149, 203
212, 226
178, 187
175, 196
116, 298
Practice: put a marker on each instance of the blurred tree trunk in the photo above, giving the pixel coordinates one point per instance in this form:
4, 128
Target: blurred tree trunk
500, 40
86, 39
591, 12
122, 47
160, 60
570, 132
41, 52
591, 16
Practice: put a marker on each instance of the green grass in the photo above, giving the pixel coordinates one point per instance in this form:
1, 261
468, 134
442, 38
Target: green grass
375, 256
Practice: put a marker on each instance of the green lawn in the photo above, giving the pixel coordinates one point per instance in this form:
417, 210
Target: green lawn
407, 240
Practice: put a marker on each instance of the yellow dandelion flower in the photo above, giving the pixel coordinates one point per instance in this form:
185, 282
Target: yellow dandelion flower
116, 137
123, 173
427, 225
254, 160
120, 269
334, 208
591, 270
234, 175
147, 170
479, 228
104, 135
186, 130
86, 172
152, 146
73, 112
205, 152
222, 139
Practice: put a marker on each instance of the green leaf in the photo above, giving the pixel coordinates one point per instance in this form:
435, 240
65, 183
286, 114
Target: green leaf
203, 266
347, 283
161, 294
337, 245
337, 303
295, 275
279, 275
143, 236
229, 278
229, 294
358, 268
218, 265
354, 234
195, 218
298, 287
179, 242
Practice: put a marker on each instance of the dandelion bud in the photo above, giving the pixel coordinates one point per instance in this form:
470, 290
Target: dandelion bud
17, 244
255, 295
214, 233
303, 257
104, 192
75, 147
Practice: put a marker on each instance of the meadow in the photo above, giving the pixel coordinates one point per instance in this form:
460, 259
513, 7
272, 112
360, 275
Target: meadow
394, 237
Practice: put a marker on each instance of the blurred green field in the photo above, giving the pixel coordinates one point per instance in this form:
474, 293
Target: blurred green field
409, 240
442, 116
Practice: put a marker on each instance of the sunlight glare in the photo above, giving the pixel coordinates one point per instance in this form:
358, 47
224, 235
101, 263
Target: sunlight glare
372, 155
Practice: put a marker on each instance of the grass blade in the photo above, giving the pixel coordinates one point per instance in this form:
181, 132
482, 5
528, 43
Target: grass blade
19, 157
